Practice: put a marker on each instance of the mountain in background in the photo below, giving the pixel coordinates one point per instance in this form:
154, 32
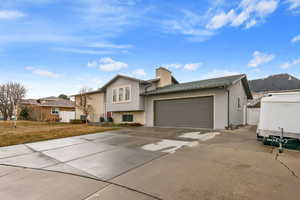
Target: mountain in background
275, 83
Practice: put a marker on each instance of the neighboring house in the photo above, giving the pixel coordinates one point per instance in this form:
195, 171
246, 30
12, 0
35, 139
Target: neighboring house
213, 103
278, 83
94, 98
47, 109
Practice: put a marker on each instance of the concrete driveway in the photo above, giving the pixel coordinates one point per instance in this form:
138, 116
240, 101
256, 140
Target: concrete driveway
101, 156
135, 164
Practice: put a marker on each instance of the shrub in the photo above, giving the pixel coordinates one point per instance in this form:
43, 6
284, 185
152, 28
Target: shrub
76, 121
24, 114
110, 119
131, 124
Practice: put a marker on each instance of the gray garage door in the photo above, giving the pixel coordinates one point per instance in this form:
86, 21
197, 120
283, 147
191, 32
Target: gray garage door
188, 112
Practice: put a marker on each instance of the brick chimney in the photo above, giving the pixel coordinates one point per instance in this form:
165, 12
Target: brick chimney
164, 75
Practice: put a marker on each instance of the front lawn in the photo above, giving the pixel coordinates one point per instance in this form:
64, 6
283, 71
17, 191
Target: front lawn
29, 131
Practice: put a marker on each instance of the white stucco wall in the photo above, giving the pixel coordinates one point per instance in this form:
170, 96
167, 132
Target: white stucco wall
236, 114
220, 105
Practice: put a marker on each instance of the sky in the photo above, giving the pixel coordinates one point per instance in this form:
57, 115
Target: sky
60, 46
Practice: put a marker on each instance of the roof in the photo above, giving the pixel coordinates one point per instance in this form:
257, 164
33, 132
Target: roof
59, 103
49, 102
29, 101
91, 92
50, 98
204, 84
126, 77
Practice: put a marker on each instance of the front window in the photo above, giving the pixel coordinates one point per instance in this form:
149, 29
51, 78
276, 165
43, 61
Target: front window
127, 93
121, 94
114, 95
127, 118
55, 111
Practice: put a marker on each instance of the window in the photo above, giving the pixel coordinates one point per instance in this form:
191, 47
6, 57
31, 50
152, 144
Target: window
127, 118
121, 94
239, 103
114, 95
127, 93
54, 111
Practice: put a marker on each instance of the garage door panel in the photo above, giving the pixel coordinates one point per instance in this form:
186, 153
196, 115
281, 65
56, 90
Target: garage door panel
189, 112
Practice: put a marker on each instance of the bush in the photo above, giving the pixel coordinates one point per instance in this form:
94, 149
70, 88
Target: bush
76, 121
110, 119
102, 119
24, 114
131, 124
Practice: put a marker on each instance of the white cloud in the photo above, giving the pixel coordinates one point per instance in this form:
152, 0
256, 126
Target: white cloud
108, 64
139, 72
218, 73
111, 17
42, 72
290, 64
251, 23
10, 14
189, 24
294, 4
192, 66
92, 64
221, 19
248, 13
174, 66
110, 45
83, 51
296, 39
260, 58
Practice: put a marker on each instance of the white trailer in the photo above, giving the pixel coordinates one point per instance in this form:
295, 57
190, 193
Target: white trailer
280, 110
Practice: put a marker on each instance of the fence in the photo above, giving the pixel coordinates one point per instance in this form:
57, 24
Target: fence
66, 116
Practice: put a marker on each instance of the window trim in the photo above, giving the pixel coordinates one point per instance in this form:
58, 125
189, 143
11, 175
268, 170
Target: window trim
54, 113
128, 121
115, 89
124, 94
239, 104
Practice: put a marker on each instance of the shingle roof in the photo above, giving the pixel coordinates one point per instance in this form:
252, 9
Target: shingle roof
29, 101
59, 103
203, 84
50, 103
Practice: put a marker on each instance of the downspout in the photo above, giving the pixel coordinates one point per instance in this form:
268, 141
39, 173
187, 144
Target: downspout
228, 107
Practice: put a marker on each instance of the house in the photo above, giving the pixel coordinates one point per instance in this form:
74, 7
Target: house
46, 109
278, 83
213, 103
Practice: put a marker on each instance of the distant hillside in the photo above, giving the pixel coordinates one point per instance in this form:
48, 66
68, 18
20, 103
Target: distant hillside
275, 83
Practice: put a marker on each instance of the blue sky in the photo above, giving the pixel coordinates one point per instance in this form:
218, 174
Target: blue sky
59, 46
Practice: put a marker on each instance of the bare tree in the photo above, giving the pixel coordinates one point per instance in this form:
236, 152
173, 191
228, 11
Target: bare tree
10, 96
82, 102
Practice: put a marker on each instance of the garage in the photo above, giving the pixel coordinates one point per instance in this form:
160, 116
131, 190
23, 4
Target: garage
194, 112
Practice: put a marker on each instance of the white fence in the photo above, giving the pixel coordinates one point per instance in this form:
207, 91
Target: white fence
253, 116
66, 116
